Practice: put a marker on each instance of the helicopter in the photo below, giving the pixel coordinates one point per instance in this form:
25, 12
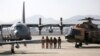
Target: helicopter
86, 32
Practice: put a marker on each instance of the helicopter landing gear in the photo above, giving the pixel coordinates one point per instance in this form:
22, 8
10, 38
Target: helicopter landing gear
77, 45
80, 44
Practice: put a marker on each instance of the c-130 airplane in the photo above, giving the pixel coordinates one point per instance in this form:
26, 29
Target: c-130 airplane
20, 31
20, 34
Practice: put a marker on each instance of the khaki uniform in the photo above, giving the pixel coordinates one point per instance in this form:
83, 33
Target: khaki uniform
59, 42
55, 42
43, 42
51, 41
47, 42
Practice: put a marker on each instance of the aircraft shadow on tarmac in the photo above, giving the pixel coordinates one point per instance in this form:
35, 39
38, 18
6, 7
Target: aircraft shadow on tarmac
90, 47
23, 52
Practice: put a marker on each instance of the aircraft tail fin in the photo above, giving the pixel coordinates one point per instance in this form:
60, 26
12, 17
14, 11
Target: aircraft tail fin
39, 21
23, 16
61, 21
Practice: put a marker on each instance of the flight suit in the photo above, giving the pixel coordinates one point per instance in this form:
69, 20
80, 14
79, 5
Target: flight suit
47, 42
51, 41
43, 42
55, 42
59, 42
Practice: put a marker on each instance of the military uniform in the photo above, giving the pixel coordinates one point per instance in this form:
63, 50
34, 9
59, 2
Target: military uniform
43, 42
55, 42
59, 42
47, 42
51, 41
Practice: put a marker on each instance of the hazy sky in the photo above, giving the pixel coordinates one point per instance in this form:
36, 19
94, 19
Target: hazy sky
12, 9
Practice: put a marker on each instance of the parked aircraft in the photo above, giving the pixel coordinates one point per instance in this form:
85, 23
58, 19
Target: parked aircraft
19, 34
87, 32
20, 31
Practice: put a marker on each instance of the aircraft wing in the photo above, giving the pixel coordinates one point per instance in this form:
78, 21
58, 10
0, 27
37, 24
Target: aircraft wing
37, 25
53, 25
6, 25
21, 42
9, 25
32, 25
58, 25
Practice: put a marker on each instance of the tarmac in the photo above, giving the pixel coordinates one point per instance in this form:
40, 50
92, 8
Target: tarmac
67, 49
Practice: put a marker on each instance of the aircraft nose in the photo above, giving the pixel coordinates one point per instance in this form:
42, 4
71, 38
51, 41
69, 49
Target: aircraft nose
20, 33
16, 33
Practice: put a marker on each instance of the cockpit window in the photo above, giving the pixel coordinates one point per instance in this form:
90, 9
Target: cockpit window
75, 32
19, 27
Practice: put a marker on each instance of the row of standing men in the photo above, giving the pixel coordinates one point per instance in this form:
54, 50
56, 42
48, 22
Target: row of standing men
51, 43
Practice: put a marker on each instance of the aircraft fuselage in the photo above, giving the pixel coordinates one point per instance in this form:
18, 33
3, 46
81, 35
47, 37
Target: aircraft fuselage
20, 31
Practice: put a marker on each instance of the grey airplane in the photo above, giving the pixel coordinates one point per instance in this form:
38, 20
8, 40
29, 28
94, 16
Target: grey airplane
40, 25
20, 31
19, 34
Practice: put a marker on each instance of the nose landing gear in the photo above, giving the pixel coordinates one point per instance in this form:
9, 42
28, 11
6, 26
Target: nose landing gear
12, 48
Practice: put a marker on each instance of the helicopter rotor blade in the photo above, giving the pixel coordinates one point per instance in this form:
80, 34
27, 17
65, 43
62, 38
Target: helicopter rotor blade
96, 19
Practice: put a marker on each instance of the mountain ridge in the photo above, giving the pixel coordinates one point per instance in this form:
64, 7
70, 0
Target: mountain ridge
73, 20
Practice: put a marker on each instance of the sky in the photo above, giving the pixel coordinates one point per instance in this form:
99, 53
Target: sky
11, 10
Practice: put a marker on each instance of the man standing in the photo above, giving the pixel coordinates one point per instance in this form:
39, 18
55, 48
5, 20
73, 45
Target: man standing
47, 42
43, 42
55, 42
59, 42
51, 41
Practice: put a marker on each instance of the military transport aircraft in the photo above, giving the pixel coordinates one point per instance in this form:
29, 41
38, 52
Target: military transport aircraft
20, 32
87, 33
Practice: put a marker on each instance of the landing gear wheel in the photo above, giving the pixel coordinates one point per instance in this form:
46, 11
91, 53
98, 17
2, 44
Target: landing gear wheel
80, 44
76, 46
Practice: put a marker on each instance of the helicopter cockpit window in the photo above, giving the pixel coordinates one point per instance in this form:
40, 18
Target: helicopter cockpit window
75, 32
